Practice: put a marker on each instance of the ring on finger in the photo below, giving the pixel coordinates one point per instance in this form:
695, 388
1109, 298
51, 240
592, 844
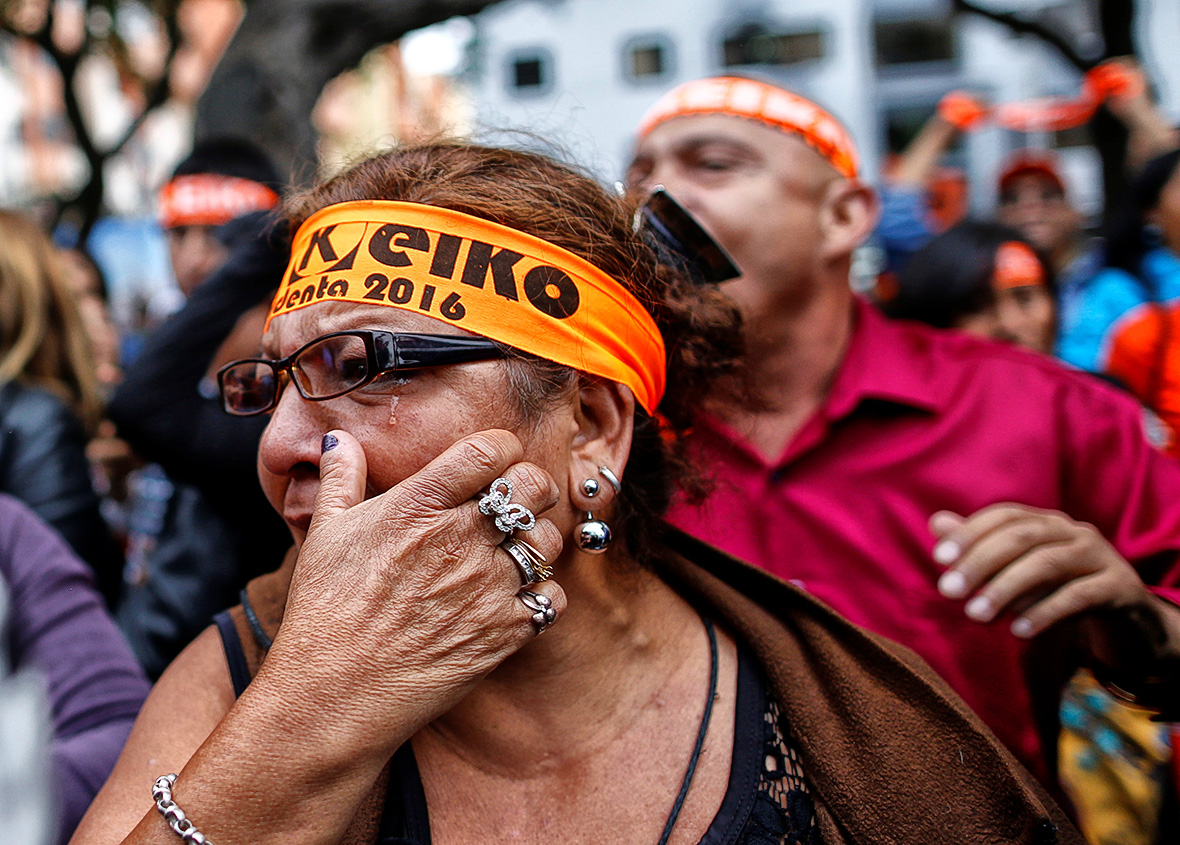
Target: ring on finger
496, 503
544, 614
534, 566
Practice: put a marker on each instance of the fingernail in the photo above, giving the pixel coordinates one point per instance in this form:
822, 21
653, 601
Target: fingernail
946, 552
952, 585
1022, 628
980, 609
328, 443
943, 521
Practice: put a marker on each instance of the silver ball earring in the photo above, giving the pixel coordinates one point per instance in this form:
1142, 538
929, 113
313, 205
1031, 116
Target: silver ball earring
592, 535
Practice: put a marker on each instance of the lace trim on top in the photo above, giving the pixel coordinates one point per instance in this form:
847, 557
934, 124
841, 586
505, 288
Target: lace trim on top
767, 801
783, 813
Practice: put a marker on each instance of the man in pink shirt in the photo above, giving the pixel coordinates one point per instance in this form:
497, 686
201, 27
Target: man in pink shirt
980, 504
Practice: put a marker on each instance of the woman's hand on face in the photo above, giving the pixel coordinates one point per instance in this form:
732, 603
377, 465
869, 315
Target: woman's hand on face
401, 603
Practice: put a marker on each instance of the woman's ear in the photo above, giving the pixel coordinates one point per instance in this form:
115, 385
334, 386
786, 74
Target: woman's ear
604, 418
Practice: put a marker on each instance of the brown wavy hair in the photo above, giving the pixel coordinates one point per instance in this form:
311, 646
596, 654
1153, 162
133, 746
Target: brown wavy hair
43, 341
561, 204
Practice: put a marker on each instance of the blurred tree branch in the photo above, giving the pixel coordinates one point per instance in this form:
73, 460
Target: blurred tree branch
86, 205
264, 89
286, 51
1026, 26
1116, 20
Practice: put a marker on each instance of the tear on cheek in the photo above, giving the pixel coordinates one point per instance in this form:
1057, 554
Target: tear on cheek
393, 400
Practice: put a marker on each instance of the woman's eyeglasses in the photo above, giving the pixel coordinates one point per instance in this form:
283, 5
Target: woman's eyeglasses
341, 362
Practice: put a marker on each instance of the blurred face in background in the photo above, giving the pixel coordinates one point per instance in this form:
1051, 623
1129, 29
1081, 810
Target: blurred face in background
1166, 214
96, 317
1035, 205
196, 254
1022, 309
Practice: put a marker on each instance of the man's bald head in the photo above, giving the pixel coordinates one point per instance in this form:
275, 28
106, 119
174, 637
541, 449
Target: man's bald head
763, 103
769, 192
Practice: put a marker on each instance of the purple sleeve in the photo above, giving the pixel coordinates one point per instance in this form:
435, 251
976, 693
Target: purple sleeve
58, 625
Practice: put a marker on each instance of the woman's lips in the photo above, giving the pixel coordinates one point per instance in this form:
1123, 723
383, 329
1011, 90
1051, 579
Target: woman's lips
301, 520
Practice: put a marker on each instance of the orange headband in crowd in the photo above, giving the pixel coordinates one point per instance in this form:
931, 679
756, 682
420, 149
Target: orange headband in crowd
758, 101
484, 277
208, 199
1017, 266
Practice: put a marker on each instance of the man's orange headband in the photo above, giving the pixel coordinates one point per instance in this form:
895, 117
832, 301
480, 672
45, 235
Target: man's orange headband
484, 277
1017, 266
758, 101
208, 199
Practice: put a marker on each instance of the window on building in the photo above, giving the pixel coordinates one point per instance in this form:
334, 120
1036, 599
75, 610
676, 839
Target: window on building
1077, 136
759, 44
647, 58
904, 122
914, 41
530, 72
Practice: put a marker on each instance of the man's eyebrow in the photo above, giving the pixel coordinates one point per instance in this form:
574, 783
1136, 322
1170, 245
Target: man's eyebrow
697, 141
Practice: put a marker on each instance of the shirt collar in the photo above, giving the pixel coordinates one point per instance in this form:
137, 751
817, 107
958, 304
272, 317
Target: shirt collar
887, 361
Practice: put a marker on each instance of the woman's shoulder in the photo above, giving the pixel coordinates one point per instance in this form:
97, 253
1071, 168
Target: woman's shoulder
882, 738
17, 395
37, 414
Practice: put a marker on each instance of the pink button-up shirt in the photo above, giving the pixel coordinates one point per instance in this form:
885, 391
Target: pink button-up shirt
920, 420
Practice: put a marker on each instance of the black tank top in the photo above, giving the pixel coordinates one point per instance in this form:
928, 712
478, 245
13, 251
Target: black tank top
766, 803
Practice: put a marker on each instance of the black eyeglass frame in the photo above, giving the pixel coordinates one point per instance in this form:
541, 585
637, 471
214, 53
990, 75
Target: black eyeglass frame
386, 352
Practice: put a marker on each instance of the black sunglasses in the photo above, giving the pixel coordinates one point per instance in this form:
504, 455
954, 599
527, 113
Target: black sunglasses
341, 362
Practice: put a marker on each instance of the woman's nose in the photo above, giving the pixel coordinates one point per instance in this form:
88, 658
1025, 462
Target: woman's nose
293, 435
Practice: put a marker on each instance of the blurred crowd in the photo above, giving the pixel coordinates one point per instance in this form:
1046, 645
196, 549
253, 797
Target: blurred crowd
132, 512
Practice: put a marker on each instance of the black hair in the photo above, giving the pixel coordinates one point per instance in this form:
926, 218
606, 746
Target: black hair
951, 277
1126, 240
231, 156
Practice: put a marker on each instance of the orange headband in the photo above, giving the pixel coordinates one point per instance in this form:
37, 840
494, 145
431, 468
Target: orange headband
1017, 267
208, 199
758, 101
484, 277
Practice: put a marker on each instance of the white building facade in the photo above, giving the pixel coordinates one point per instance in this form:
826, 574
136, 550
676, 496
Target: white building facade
579, 74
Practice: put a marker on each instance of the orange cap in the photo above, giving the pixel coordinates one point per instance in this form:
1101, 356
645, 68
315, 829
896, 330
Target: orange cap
765, 103
1017, 266
481, 276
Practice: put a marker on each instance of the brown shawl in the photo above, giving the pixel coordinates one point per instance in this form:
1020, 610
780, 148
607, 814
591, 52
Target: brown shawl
892, 755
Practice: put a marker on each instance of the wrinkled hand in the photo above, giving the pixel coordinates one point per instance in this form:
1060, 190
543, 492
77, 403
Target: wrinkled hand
1038, 565
401, 603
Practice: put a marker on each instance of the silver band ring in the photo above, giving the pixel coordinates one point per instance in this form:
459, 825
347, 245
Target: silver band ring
534, 567
509, 517
543, 613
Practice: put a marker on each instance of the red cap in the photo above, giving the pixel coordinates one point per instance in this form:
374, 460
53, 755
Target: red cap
1031, 161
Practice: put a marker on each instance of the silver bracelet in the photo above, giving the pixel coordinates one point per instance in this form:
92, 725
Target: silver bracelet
170, 810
